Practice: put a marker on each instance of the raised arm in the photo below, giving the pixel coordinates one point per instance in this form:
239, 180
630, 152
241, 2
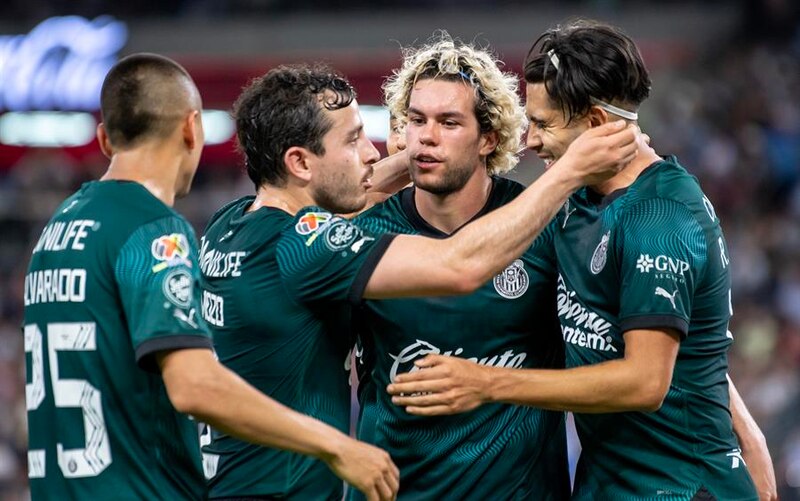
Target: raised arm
390, 174
198, 385
414, 266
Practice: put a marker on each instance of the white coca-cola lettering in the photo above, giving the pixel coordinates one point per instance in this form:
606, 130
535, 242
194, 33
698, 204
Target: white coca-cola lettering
60, 64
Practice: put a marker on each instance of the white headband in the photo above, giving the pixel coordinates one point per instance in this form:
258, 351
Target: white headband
553, 58
630, 115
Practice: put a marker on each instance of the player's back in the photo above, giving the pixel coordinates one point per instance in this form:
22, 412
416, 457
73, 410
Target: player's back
101, 427
497, 451
284, 348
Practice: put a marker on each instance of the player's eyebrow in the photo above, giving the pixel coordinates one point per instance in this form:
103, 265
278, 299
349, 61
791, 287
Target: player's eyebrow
444, 114
355, 131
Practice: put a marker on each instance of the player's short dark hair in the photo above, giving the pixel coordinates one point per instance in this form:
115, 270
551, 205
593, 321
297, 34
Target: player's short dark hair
594, 60
143, 96
282, 109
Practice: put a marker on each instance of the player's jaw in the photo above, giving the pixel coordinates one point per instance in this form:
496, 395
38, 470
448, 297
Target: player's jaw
442, 178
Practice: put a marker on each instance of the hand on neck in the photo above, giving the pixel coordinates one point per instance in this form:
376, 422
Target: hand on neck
645, 157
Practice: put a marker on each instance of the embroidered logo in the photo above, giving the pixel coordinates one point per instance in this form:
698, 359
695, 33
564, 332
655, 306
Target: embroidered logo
341, 234
311, 222
660, 291
736, 458
171, 250
512, 282
567, 213
644, 263
178, 286
600, 254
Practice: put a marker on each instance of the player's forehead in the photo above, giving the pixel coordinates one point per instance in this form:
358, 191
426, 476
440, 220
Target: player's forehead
433, 96
539, 107
344, 121
537, 101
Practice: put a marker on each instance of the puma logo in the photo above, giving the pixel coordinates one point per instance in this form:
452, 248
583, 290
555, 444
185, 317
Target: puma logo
567, 213
660, 291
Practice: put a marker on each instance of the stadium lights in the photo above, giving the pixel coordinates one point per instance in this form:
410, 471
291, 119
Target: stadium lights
47, 128
56, 129
376, 122
218, 126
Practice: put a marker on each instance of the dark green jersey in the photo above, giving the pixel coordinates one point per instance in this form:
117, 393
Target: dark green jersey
110, 283
274, 301
496, 451
652, 256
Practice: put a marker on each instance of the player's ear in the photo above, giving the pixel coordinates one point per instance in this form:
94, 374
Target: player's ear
597, 116
103, 141
297, 161
488, 143
192, 130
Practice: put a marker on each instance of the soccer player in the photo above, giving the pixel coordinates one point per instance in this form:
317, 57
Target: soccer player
452, 95
643, 299
280, 266
396, 140
119, 356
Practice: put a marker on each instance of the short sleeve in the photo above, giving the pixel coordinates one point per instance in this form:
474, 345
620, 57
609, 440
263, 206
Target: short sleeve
543, 251
663, 256
157, 273
325, 257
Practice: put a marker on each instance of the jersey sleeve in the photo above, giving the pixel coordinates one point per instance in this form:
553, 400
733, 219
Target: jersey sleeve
543, 251
325, 257
157, 273
663, 256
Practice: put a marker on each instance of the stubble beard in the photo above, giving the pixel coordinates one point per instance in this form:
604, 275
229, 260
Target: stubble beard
454, 179
336, 196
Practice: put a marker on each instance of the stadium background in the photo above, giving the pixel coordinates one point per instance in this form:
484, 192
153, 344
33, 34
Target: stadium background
726, 100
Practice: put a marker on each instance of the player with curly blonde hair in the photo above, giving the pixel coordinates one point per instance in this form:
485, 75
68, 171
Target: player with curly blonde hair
497, 104
463, 125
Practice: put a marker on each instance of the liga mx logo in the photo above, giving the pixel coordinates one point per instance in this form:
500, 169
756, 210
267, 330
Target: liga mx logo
311, 222
512, 282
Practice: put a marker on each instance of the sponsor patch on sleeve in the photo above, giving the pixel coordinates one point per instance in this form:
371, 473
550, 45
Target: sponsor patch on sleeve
311, 222
170, 250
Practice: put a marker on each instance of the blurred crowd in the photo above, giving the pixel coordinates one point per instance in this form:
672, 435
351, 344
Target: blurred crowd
733, 120
735, 123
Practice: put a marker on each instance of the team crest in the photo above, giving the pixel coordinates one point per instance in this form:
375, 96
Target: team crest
341, 234
178, 286
512, 282
600, 254
311, 222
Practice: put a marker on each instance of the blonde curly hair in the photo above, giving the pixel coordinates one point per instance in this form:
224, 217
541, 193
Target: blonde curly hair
497, 102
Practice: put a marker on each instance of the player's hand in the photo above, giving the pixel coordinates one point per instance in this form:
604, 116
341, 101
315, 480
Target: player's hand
367, 468
443, 385
759, 464
601, 152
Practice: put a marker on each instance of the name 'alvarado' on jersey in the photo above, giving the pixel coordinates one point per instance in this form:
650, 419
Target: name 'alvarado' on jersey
590, 330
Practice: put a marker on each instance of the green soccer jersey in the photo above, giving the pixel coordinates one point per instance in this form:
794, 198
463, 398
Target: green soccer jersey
110, 284
275, 304
652, 256
496, 451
